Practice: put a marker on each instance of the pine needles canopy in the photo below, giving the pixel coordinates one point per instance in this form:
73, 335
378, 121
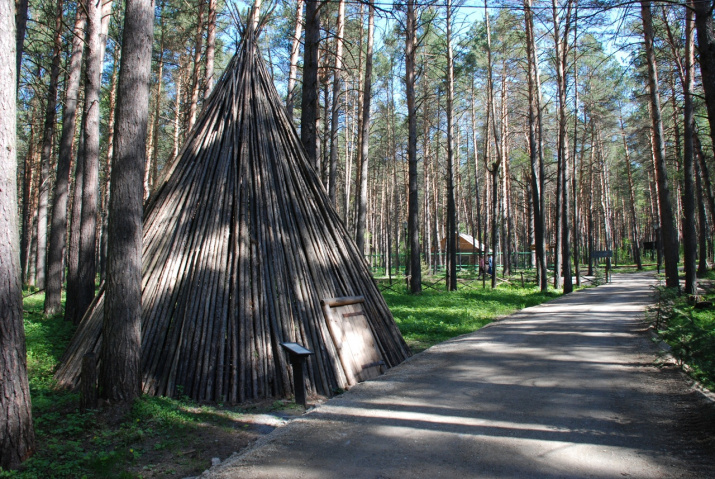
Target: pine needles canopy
240, 245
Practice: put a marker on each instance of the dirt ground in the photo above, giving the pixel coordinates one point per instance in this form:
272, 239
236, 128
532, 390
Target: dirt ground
211, 441
570, 388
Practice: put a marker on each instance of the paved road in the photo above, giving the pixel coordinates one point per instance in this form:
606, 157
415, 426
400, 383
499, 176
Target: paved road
564, 389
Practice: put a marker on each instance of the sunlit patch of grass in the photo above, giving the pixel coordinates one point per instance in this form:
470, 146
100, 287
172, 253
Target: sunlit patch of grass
436, 315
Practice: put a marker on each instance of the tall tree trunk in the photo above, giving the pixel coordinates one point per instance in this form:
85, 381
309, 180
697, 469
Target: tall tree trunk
508, 220
413, 199
689, 234
195, 81
574, 181
706, 54
631, 194
451, 209
28, 180
177, 108
294, 55
71, 301
605, 197
58, 230
707, 184
123, 308
21, 24
356, 144
47, 141
17, 437
561, 50
90, 181
309, 100
702, 219
210, 49
152, 155
669, 231
591, 198
477, 203
104, 189
494, 170
335, 114
535, 146
365, 136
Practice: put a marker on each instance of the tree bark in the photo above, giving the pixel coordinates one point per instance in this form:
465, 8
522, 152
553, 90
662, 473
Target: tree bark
28, 176
365, 137
335, 113
177, 108
706, 55
631, 194
195, 82
574, 181
87, 268
21, 27
707, 184
294, 54
47, 141
153, 154
123, 307
309, 100
71, 310
669, 231
561, 51
17, 437
702, 219
58, 229
451, 235
413, 199
535, 146
210, 50
689, 234
476, 234
104, 189
494, 170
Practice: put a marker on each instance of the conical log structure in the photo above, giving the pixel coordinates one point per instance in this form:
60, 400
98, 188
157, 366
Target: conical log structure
240, 245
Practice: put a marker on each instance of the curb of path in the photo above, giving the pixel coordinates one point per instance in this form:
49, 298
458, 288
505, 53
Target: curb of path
667, 358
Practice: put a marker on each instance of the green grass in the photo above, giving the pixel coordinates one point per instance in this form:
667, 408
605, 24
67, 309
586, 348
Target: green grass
690, 332
631, 268
105, 444
437, 315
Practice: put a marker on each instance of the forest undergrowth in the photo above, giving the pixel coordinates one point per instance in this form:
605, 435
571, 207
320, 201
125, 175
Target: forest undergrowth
687, 325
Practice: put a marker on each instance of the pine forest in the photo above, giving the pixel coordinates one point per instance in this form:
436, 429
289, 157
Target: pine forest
451, 138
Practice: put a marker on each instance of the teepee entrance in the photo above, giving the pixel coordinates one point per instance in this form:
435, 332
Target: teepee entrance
353, 338
240, 245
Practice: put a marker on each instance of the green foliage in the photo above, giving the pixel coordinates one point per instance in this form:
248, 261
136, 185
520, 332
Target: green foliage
46, 340
437, 315
689, 332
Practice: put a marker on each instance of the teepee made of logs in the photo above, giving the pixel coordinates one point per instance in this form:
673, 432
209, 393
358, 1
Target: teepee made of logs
240, 246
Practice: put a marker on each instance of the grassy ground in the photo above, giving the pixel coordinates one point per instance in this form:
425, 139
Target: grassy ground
157, 437
436, 315
689, 329
162, 437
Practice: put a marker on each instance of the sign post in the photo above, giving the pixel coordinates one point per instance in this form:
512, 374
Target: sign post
608, 254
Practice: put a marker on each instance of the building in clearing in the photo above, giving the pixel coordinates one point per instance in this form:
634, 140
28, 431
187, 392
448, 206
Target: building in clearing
242, 251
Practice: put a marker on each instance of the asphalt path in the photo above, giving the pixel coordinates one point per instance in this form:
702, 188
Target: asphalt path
569, 388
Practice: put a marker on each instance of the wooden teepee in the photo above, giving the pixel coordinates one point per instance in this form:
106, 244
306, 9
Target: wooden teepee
241, 244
